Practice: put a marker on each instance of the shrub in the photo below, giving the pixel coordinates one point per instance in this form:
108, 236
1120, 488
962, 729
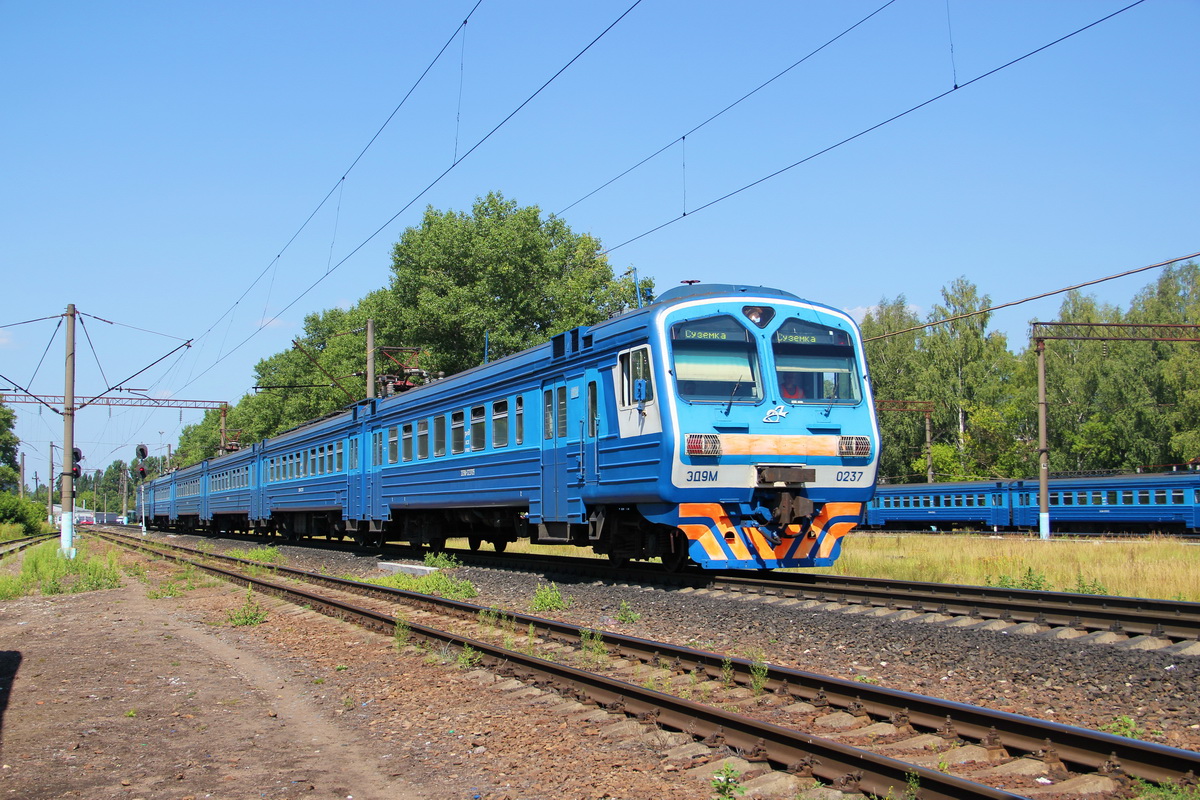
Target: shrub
26, 513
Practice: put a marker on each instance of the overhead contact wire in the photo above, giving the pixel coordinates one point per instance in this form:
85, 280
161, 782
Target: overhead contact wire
422, 193
874, 127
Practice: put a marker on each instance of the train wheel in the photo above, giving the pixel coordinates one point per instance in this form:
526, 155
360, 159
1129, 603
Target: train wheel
677, 559
474, 542
500, 544
618, 561
437, 544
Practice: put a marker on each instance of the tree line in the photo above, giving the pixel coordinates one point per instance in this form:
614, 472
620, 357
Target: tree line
1119, 406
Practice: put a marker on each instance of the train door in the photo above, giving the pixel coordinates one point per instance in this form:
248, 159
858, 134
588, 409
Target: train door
563, 432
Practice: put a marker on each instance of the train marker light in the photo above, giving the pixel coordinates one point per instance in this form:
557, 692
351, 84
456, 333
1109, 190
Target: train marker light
141, 451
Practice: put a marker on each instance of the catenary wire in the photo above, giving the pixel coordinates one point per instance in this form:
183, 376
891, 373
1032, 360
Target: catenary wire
746, 96
1038, 296
419, 195
874, 127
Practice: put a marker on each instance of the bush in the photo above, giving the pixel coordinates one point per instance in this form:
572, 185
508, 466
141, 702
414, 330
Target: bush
26, 513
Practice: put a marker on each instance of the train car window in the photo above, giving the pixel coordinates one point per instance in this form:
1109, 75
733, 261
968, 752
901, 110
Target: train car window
715, 360
937, 501
329, 457
1068, 499
958, 500
971, 500
393, 445
423, 439
1053, 498
478, 428
458, 432
439, 436
635, 367
907, 502
519, 421
500, 423
927, 501
1110, 499
980, 500
339, 464
376, 448
561, 412
353, 455
1097, 498
1081, 498
1127, 497
406, 437
1143, 497
593, 416
815, 363
996, 501
317, 461
1177, 497
1160, 497
547, 414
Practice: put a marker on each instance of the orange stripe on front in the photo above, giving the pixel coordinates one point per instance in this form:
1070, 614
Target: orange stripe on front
835, 533
761, 545
704, 535
711, 511
748, 444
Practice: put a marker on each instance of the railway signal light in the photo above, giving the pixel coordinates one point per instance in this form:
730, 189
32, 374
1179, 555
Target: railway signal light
76, 457
141, 451
141, 471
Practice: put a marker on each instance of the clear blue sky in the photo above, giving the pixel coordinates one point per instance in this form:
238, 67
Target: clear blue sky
157, 156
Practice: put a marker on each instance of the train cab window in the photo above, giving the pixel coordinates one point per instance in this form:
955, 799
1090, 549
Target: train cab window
439, 436
815, 363
636, 377
406, 441
478, 428
715, 360
423, 439
519, 421
457, 432
500, 423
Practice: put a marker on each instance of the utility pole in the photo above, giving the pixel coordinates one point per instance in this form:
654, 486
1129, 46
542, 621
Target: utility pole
21, 489
124, 490
50, 489
68, 487
370, 358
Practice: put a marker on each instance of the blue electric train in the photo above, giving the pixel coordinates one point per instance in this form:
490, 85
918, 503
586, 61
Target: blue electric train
729, 425
1166, 502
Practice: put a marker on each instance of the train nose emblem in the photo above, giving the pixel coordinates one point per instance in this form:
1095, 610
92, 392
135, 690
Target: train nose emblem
776, 414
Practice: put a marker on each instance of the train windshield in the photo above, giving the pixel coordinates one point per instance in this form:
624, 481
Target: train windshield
715, 360
815, 363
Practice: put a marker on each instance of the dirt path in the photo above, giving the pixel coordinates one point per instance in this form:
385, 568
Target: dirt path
112, 694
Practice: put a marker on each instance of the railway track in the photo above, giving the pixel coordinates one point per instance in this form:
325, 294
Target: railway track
646, 679
15, 546
1169, 626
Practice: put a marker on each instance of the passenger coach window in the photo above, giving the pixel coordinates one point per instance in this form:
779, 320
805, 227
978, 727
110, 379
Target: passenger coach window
520, 421
478, 425
457, 432
406, 442
393, 442
423, 439
500, 423
439, 436
635, 366
715, 360
815, 363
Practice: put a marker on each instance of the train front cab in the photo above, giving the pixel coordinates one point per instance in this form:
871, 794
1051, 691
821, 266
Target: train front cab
772, 437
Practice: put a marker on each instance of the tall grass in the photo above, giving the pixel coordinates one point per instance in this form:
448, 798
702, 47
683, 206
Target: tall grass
1151, 567
44, 570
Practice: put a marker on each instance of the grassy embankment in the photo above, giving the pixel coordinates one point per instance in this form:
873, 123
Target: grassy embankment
1146, 567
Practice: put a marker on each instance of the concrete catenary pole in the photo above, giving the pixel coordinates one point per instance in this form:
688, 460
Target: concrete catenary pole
21, 485
1043, 448
67, 537
50, 489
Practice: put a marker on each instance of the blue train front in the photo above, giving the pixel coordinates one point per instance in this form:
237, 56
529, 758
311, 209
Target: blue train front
730, 426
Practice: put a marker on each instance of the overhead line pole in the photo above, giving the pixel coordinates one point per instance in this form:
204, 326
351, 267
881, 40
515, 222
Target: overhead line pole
1086, 331
66, 538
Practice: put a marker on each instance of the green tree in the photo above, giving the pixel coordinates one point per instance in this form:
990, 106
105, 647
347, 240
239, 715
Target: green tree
502, 272
895, 364
10, 471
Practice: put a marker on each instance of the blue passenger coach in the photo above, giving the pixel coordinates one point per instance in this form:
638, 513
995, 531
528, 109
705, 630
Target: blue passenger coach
729, 425
1142, 502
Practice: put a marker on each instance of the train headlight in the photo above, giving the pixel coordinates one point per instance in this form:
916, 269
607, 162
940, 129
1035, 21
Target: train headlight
854, 447
703, 444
